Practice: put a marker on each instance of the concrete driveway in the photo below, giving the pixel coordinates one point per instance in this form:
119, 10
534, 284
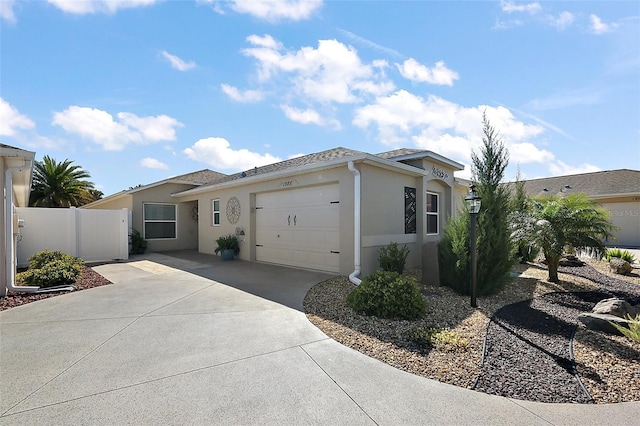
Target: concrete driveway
183, 338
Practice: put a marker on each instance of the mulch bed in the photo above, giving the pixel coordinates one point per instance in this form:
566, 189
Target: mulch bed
88, 279
528, 344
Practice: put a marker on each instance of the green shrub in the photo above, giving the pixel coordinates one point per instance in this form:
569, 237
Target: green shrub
51, 268
393, 258
622, 254
387, 294
633, 332
445, 340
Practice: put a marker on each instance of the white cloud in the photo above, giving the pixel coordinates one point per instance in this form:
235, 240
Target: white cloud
562, 21
178, 63
152, 163
6, 11
510, 7
560, 168
309, 116
248, 96
332, 72
415, 71
101, 128
440, 125
371, 44
526, 152
270, 10
598, 27
82, 7
217, 152
11, 120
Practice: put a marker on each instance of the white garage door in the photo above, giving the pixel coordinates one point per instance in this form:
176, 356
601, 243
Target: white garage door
299, 227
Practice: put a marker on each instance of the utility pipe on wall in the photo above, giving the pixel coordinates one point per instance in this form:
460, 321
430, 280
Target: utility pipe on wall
353, 277
10, 246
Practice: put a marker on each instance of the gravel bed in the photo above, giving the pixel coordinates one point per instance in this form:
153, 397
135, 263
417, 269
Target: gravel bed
541, 314
88, 279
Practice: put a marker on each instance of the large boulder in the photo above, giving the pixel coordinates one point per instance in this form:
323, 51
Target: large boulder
616, 307
620, 266
602, 322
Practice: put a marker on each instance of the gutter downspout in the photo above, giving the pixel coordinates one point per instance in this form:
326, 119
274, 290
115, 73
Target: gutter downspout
10, 246
353, 277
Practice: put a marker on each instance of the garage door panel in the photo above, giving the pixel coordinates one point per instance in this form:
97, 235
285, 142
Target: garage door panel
299, 227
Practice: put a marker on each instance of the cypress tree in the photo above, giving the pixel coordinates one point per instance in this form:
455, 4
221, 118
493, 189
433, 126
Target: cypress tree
494, 245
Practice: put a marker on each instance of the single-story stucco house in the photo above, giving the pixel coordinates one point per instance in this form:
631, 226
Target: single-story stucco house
16, 166
329, 211
618, 191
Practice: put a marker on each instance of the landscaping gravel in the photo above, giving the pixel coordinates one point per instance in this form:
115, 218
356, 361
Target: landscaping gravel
88, 279
528, 353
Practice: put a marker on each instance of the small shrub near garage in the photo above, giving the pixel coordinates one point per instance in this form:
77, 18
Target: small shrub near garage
51, 268
393, 258
387, 294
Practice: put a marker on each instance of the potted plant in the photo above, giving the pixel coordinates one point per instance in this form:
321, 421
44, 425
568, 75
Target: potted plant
228, 246
138, 244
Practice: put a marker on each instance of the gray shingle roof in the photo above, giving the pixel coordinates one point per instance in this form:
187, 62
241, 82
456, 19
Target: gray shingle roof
610, 182
318, 157
398, 153
201, 176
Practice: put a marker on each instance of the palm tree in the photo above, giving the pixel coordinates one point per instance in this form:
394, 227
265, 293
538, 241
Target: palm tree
556, 223
58, 184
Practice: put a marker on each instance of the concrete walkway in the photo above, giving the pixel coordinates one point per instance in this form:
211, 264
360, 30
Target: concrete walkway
187, 339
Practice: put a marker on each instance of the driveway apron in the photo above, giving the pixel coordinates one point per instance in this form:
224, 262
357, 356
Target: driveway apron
183, 338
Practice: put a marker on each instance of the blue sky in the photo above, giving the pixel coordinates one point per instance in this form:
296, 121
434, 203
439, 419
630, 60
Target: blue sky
136, 91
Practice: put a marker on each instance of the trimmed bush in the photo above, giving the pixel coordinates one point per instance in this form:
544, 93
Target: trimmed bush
387, 294
393, 258
622, 254
51, 268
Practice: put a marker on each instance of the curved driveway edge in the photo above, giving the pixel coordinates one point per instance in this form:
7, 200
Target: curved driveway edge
183, 338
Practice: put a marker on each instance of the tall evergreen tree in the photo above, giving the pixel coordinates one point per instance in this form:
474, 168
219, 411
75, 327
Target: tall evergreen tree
494, 245
58, 184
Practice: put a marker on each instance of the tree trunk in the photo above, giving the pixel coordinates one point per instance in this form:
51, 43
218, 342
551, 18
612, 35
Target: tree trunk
552, 265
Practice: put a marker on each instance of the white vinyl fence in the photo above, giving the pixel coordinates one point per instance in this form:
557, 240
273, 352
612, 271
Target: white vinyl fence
93, 235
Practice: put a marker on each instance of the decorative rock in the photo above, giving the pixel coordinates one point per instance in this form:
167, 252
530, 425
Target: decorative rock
620, 266
602, 322
616, 307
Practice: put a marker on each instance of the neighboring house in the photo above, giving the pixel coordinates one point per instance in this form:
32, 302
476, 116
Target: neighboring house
16, 166
618, 191
333, 210
163, 222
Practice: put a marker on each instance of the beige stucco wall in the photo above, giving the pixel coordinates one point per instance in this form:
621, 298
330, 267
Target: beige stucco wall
187, 231
118, 203
382, 219
3, 254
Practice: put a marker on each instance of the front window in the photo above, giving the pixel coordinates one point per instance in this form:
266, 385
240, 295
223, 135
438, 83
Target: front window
433, 214
160, 221
215, 208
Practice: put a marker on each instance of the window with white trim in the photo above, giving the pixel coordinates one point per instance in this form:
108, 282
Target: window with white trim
160, 221
433, 213
215, 208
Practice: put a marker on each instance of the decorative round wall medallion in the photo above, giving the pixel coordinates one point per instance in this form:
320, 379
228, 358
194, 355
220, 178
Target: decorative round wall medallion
233, 210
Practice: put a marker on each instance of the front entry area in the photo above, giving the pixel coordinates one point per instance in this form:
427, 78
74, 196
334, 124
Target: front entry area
299, 227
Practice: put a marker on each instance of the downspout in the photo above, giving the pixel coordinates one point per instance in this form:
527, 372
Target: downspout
10, 246
353, 277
